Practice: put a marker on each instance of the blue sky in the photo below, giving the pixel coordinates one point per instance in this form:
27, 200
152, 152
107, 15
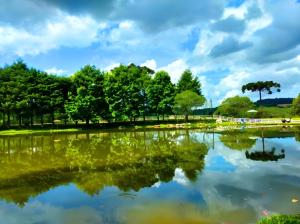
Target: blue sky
225, 43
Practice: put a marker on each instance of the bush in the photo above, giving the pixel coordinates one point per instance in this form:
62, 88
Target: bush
235, 107
281, 219
296, 106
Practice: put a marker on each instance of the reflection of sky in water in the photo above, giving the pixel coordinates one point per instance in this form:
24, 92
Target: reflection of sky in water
228, 183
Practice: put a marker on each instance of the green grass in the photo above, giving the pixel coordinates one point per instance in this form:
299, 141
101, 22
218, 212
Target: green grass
192, 125
269, 112
34, 131
281, 219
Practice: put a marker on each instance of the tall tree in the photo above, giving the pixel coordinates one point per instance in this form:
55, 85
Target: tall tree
261, 87
161, 93
188, 82
89, 97
125, 91
186, 101
13, 89
81, 106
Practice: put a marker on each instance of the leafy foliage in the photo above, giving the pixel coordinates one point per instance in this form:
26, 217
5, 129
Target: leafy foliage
161, 93
296, 106
186, 101
235, 106
88, 103
261, 86
187, 82
125, 91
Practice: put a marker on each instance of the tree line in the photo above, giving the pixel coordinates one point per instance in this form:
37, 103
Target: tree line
123, 94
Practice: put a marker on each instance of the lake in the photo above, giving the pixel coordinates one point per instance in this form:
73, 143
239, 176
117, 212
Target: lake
157, 176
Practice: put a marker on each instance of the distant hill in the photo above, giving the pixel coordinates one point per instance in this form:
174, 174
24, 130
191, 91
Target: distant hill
275, 102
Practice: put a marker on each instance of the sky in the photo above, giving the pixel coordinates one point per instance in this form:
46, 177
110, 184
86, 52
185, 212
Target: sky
226, 43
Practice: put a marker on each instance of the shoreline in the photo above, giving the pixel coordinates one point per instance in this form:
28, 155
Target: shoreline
157, 127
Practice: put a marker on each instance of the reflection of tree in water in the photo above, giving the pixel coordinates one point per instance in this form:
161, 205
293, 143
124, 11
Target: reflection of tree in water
265, 155
297, 134
33, 164
237, 140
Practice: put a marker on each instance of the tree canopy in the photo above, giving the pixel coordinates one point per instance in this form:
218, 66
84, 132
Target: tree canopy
296, 106
235, 106
260, 87
86, 99
125, 91
187, 82
186, 101
161, 93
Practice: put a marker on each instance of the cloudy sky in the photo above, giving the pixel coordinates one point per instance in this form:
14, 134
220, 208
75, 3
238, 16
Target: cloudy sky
225, 43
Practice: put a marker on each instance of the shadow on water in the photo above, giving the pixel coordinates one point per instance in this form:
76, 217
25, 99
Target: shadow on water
31, 165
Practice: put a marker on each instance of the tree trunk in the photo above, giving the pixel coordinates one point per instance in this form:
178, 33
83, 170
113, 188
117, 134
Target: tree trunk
42, 119
263, 139
186, 117
31, 120
20, 120
260, 95
157, 115
8, 119
144, 117
163, 117
3, 119
52, 118
87, 122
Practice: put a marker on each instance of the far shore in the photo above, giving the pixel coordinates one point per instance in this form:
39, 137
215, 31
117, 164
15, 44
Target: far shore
129, 126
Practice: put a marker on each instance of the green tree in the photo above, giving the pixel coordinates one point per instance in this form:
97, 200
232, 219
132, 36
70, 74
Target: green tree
125, 91
88, 103
13, 90
81, 106
235, 106
161, 93
260, 87
186, 101
187, 82
296, 106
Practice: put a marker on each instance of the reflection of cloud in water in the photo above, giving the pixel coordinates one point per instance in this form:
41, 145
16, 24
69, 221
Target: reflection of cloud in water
253, 185
180, 177
37, 212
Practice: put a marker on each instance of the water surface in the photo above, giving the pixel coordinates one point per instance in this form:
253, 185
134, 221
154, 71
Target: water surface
178, 176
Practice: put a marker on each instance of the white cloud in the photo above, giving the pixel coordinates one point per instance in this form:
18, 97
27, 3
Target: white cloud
126, 24
111, 66
66, 30
207, 42
55, 71
173, 44
175, 69
150, 64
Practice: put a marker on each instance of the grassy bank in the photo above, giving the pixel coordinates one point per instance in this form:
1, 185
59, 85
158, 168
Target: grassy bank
128, 126
37, 131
